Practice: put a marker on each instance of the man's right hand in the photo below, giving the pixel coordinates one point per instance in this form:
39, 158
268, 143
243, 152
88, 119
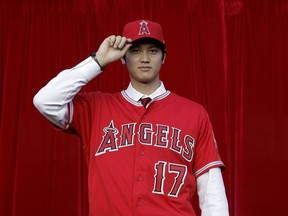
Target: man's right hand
112, 49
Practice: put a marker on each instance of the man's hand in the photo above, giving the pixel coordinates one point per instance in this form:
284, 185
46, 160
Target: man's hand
112, 49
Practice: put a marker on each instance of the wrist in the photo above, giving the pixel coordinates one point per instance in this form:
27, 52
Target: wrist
99, 62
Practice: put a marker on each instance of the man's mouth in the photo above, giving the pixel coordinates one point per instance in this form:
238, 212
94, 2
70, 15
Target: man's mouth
145, 68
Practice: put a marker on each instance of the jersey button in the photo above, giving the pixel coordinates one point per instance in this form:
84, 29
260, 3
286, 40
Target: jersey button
142, 153
140, 178
139, 203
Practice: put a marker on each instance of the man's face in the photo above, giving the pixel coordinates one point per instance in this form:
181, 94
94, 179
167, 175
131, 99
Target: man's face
143, 61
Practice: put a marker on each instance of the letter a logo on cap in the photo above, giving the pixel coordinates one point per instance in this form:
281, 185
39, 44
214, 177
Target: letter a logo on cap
144, 28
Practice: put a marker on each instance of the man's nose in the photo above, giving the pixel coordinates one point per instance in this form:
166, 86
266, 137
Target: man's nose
145, 57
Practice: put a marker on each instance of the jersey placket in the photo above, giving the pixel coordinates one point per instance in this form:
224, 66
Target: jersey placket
140, 167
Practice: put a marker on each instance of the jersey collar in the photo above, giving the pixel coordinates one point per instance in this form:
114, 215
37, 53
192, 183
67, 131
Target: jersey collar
136, 95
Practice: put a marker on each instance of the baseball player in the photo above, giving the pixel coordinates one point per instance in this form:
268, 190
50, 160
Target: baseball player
148, 150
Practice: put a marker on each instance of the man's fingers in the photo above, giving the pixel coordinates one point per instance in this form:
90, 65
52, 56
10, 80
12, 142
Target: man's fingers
122, 42
112, 49
126, 47
129, 40
112, 40
118, 42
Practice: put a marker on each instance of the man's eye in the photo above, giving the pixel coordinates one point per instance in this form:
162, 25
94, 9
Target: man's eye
135, 50
154, 50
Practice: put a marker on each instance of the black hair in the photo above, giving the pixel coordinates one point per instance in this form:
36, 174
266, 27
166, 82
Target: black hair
151, 40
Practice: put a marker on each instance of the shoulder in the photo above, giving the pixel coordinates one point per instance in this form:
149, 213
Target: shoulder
185, 103
97, 97
97, 94
187, 108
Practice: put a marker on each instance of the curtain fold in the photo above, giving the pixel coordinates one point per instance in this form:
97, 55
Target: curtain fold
228, 55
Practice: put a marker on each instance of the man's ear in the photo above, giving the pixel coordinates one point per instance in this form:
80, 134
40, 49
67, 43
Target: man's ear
164, 57
123, 61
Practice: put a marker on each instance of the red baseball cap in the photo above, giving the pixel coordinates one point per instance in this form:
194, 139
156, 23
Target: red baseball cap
144, 29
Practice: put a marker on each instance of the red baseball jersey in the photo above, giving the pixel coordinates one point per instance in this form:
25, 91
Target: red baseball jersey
143, 161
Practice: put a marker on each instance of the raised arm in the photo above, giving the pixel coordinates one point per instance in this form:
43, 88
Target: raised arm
55, 99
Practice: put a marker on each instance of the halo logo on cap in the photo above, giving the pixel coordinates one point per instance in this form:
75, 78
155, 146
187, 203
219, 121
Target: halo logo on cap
144, 28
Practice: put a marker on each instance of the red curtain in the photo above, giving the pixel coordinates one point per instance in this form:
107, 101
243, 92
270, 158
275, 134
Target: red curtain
229, 55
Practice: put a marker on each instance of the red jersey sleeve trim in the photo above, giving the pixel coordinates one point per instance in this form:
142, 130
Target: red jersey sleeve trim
69, 115
207, 167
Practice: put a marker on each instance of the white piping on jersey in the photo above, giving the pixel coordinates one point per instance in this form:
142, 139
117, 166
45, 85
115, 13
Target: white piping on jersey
71, 112
162, 96
69, 115
214, 163
138, 103
130, 100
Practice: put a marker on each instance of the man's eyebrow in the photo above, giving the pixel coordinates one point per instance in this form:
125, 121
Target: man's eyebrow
138, 45
134, 45
154, 46
150, 45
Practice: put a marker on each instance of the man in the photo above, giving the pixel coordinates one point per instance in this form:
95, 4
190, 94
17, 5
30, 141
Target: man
147, 148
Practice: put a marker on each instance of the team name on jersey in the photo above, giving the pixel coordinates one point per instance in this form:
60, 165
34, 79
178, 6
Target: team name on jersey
157, 135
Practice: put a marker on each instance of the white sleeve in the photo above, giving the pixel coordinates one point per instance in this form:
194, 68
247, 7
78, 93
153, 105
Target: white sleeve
53, 100
211, 192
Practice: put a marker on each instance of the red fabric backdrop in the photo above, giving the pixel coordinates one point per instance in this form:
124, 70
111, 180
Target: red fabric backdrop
229, 55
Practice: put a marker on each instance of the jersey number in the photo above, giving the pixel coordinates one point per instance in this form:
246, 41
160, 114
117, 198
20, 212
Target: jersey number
159, 177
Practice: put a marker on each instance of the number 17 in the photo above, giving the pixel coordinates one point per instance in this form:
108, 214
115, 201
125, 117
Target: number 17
159, 177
